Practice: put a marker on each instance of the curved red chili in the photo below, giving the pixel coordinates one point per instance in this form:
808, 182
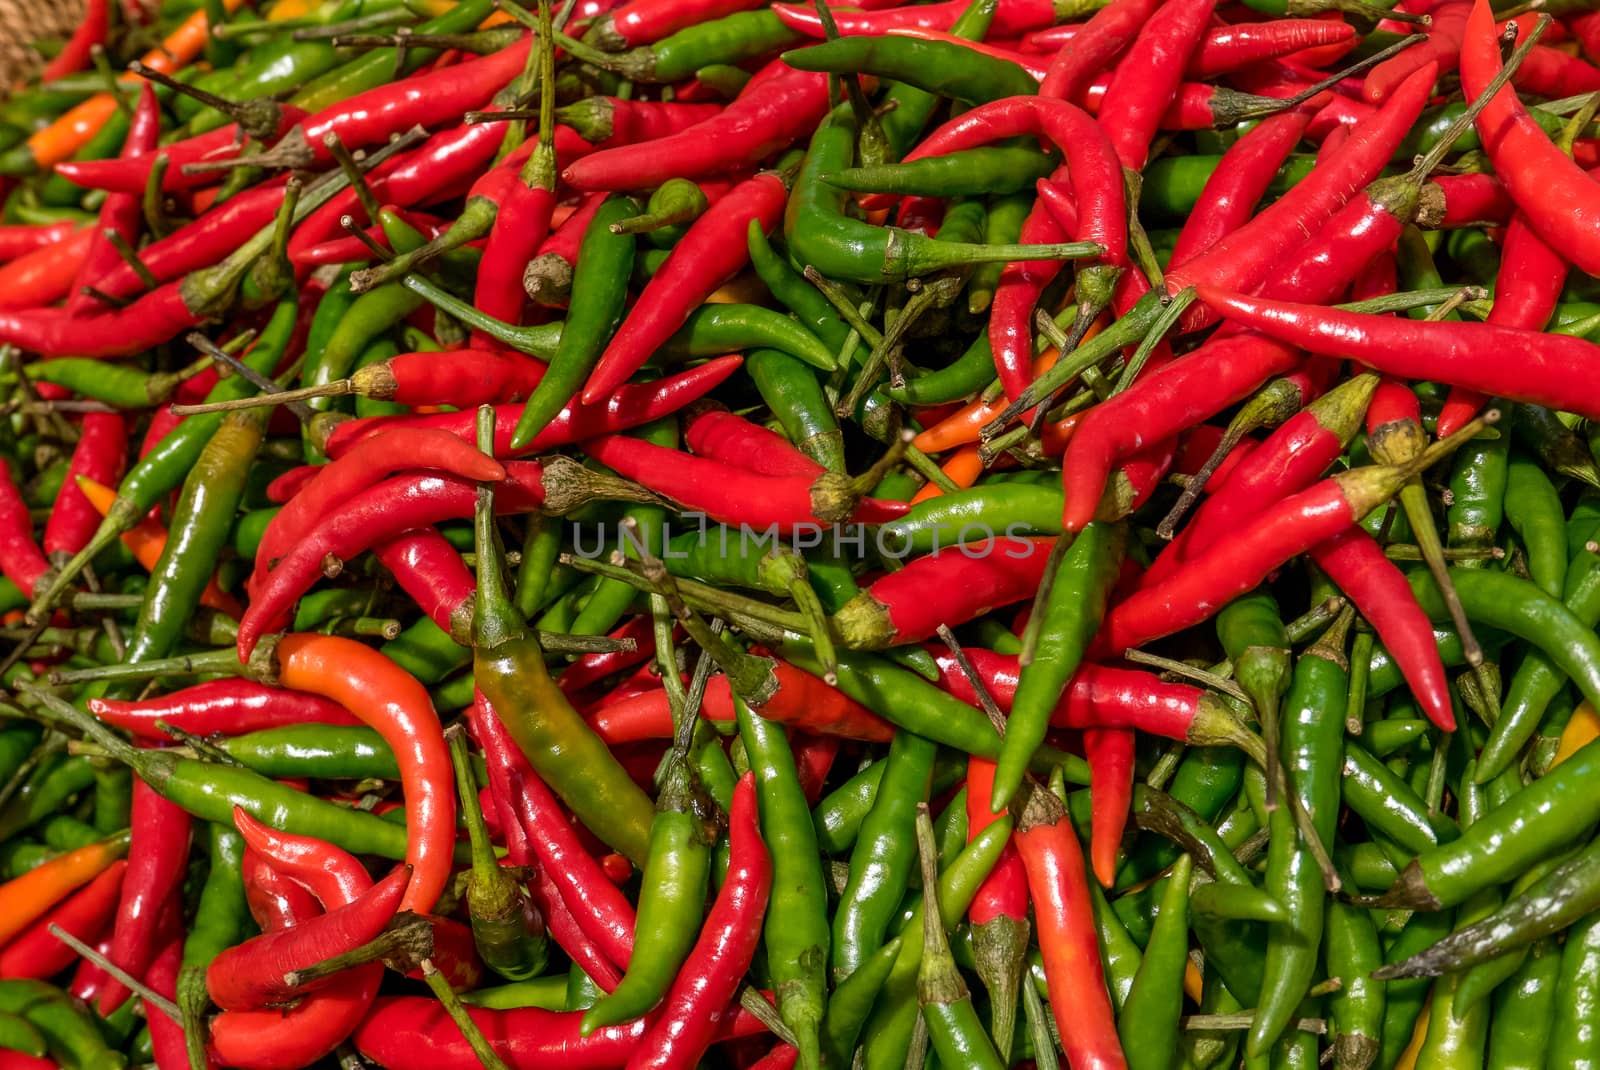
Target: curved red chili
101, 455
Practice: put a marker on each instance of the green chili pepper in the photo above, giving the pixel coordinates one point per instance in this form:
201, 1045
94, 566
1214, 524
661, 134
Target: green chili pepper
322, 751
1356, 1008
1312, 741
910, 108
1067, 622
222, 918
379, 65
1477, 494
69, 1032
1254, 638
1385, 801
509, 667
791, 391
974, 514
793, 291
599, 293
56, 780
970, 173
1148, 1021
884, 855
797, 932
942, 68
1521, 1025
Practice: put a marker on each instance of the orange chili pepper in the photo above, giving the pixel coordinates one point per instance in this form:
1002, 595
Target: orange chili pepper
29, 897
72, 131
146, 541
964, 467
45, 275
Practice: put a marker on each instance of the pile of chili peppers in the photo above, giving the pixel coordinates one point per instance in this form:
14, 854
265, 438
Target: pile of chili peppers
991, 532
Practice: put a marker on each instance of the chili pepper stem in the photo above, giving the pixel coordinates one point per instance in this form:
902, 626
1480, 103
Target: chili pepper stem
458, 1013
407, 942
138, 987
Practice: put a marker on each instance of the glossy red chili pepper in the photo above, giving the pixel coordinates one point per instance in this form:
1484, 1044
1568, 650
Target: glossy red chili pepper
1109, 752
609, 122
122, 214
43, 276
769, 115
1545, 369
1146, 81
1064, 915
1471, 200
1011, 18
101, 454
701, 997
1561, 202
714, 432
202, 243
1017, 294
1158, 407
1004, 892
601, 910
275, 901
430, 570
21, 561
359, 468
1442, 47
133, 175
390, 700
369, 518
735, 496
251, 974
1241, 259
1526, 291
707, 256
592, 668
801, 701
19, 239
284, 1039
86, 914
78, 52
219, 707
643, 22
158, 860
1355, 562
563, 926
633, 404
951, 586
1103, 38
157, 317
1240, 181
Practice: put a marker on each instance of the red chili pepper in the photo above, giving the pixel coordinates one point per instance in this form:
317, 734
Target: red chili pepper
1146, 81
166, 1036
713, 432
359, 468
608, 122
1291, 459
553, 266
643, 22
43, 276
698, 1002
1545, 369
1103, 38
1109, 752
132, 175
601, 910
950, 586
77, 53
1526, 291
735, 496
414, 1033
374, 516
86, 914
1240, 181
202, 243
1355, 562
707, 256
251, 974
430, 570
801, 701
19, 239
1241, 259
1158, 407
633, 404
275, 901
158, 860
562, 925
279, 1039
1550, 72
157, 317
592, 668
1017, 293
1219, 574
20, 559
389, 699
1472, 200
101, 454
219, 707
1011, 18
1443, 47
122, 214
1561, 202
1064, 915
769, 115
1004, 892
